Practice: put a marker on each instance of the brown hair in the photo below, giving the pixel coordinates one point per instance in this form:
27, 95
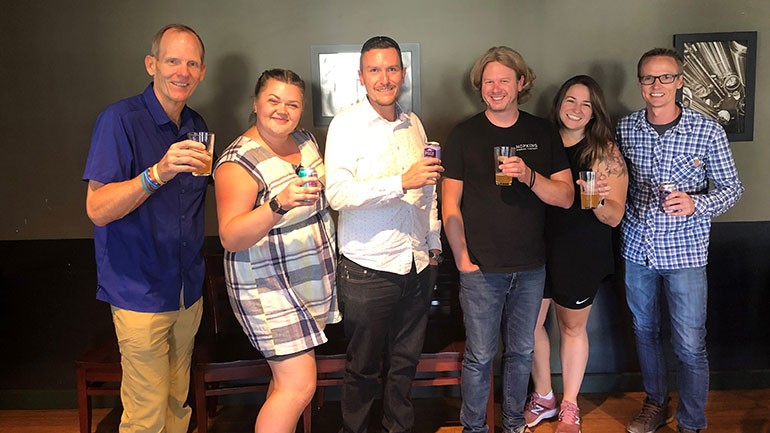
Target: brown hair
663, 52
283, 75
155, 47
599, 132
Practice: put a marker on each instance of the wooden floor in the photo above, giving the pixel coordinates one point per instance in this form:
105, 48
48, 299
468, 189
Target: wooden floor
745, 411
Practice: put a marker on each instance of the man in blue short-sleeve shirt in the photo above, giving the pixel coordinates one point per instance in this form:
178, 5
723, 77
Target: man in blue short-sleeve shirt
148, 212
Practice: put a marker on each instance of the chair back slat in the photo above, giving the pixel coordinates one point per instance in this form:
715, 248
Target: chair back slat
218, 313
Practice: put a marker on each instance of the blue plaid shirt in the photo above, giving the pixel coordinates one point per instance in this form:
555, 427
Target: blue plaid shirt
690, 154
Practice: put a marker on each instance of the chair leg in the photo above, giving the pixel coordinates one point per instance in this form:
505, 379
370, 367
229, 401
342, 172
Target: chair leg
199, 389
320, 395
84, 403
307, 417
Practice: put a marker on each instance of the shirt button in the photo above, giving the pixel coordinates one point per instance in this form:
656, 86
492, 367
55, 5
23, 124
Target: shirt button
182, 192
184, 244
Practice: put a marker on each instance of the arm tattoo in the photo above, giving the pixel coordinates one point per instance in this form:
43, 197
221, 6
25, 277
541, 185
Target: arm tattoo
613, 163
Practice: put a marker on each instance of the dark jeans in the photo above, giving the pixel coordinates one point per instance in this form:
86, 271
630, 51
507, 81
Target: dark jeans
686, 292
385, 315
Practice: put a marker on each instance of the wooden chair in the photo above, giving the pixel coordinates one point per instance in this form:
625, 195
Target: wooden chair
98, 372
224, 361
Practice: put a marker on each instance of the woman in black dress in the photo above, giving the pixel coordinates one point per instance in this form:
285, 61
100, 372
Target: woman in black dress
579, 247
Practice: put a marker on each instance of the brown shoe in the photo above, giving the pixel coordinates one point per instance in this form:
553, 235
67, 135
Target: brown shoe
650, 418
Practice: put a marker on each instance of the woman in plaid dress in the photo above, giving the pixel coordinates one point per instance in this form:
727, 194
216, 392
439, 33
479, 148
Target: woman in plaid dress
280, 245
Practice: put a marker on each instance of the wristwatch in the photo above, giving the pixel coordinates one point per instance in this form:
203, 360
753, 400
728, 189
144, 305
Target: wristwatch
275, 206
435, 256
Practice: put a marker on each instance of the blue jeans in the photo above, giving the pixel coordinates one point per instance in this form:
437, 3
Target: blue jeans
385, 315
686, 292
494, 303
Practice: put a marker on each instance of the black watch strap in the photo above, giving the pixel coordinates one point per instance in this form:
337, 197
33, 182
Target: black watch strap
275, 206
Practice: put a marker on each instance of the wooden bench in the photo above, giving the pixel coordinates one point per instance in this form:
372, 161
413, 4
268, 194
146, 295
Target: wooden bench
225, 363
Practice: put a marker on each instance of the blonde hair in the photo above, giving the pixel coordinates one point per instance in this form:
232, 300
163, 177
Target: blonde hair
507, 57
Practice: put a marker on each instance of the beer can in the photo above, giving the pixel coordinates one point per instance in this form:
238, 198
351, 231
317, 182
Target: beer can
664, 189
432, 150
307, 172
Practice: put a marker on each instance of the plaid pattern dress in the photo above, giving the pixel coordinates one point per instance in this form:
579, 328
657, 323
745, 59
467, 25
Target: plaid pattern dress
282, 289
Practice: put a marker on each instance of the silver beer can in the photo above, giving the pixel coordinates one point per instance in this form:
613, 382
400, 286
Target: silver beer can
432, 150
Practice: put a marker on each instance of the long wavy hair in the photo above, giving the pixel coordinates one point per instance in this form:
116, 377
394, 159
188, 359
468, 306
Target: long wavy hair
599, 131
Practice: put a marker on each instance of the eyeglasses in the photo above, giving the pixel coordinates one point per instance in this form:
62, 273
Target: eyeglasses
649, 80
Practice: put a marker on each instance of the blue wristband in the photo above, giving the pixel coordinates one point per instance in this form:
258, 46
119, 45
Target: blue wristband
144, 185
153, 185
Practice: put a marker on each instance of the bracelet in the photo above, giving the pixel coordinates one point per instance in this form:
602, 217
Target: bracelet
156, 175
531, 178
151, 183
144, 185
147, 183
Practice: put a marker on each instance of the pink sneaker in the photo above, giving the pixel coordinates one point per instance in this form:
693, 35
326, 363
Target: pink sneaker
538, 409
569, 418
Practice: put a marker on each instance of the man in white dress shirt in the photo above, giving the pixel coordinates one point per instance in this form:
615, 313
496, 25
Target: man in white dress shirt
389, 233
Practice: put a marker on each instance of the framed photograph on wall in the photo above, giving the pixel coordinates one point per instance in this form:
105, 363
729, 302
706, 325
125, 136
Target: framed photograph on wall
719, 78
335, 81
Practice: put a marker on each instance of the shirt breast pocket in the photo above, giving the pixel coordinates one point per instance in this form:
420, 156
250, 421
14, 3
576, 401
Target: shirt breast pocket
688, 171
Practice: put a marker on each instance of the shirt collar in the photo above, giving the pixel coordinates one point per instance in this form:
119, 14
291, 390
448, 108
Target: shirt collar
159, 114
402, 117
684, 126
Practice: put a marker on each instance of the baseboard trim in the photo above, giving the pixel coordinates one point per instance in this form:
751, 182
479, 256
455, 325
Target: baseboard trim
593, 383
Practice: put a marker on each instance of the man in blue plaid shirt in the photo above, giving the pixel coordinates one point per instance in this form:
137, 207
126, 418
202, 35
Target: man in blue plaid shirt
673, 153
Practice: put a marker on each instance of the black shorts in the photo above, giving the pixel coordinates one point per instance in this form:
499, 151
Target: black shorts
574, 298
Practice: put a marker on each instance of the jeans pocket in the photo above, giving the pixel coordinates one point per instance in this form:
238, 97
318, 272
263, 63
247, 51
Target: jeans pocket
477, 271
353, 273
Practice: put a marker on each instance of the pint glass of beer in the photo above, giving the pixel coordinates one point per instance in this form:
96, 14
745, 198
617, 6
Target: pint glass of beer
589, 197
207, 138
502, 152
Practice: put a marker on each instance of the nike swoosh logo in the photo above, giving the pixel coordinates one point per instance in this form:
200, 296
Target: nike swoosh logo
583, 301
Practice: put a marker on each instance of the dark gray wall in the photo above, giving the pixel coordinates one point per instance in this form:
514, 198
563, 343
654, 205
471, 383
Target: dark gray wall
63, 62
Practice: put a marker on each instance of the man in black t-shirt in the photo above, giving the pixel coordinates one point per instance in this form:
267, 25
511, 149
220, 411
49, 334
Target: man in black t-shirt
496, 232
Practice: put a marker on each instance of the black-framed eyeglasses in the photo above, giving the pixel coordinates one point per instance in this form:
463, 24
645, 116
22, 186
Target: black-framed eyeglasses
649, 80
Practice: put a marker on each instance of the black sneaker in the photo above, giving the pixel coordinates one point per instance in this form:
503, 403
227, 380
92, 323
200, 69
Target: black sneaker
681, 429
650, 418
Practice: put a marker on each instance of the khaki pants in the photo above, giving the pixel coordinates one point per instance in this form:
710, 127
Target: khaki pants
156, 351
